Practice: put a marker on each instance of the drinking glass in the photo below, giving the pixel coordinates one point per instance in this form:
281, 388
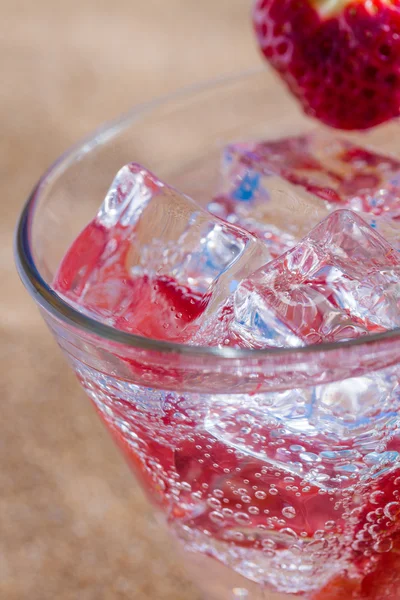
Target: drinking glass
260, 462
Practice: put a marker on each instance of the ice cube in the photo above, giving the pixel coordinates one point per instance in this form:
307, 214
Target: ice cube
388, 227
270, 218
340, 282
331, 435
320, 172
245, 321
333, 169
361, 410
162, 261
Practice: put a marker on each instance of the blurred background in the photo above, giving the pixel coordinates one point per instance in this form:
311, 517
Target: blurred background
73, 524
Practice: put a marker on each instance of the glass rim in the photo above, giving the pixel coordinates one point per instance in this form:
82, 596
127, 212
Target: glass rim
47, 298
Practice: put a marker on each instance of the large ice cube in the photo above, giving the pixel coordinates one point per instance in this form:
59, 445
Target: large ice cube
269, 217
161, 261
341, 281
321, 173
333, 169
331, 435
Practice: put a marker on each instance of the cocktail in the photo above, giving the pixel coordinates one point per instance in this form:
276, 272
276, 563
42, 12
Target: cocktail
232, 310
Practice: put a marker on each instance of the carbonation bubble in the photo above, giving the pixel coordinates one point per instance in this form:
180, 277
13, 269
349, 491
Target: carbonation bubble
289, 512
392, 510
253, 510
242, 518
377, 497
260, 495
384, 545
289, 533
217, 517
268, 544
214, 503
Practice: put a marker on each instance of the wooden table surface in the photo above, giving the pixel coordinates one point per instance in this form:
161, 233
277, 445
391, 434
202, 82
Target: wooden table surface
73, 524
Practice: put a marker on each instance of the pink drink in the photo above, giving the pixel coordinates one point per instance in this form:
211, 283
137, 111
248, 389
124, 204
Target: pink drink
298, 490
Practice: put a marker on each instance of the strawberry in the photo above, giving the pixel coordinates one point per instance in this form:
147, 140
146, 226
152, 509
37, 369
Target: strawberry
381, 584
340, 588
159, 308
156, 307
82, 257
384, 582
340, 58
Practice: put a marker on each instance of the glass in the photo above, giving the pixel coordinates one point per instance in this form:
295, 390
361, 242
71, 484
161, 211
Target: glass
261, 463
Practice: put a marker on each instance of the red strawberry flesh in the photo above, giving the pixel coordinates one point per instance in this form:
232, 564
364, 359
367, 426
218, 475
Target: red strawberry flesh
340, 59
155, 307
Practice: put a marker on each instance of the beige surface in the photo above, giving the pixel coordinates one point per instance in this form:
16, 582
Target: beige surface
73, 525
